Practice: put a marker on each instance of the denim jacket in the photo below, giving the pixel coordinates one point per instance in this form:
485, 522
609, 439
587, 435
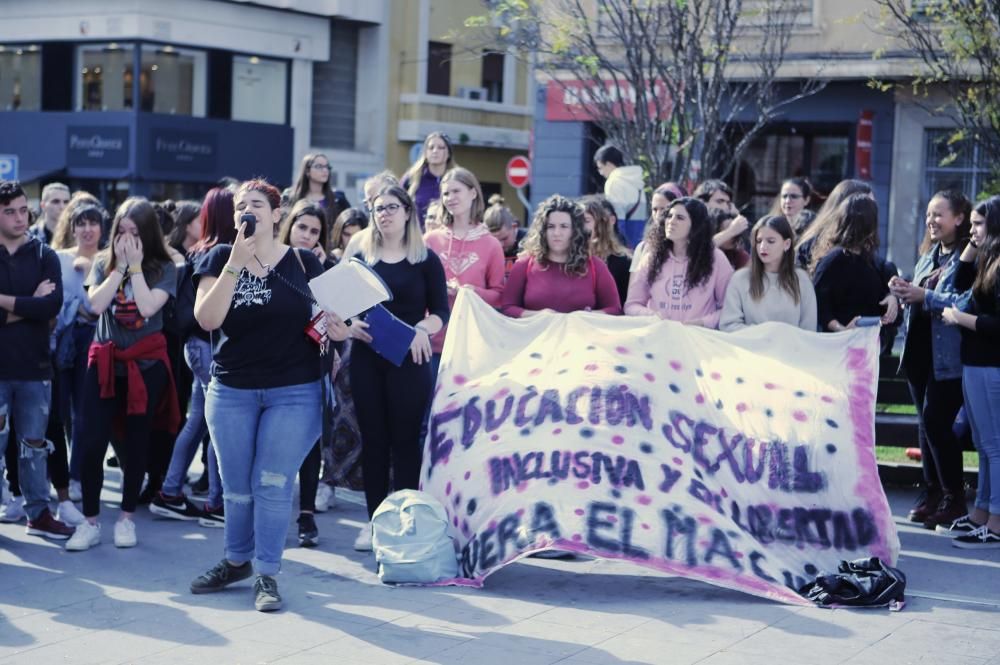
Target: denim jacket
946, 341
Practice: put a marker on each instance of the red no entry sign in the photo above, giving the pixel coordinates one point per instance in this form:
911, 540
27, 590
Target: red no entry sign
518, 171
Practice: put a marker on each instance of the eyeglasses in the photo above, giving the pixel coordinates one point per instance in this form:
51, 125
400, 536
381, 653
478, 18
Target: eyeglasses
390, 208
321, 167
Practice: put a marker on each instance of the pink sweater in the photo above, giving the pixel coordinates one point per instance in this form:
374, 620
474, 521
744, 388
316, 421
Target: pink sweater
531, 287
669, 298
475, 260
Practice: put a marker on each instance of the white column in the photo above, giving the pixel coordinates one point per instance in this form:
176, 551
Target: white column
510, 77
423, 50
301, 108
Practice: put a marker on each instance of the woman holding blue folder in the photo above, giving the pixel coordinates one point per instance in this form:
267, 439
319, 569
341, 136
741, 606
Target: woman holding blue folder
391, 400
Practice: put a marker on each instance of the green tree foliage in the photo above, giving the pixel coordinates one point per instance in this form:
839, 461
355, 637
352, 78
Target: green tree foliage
958, 42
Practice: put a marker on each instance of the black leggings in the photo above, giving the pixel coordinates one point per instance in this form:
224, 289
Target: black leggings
132, 452
390, 402
309, 479
937, 405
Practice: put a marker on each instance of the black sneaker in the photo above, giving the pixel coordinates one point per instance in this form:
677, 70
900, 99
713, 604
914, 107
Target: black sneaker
980, 539
213, 517
266, 596
221, 576
960, 527
174, 507
308, 533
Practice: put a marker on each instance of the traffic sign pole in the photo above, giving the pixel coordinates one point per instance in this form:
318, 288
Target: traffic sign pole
519, 175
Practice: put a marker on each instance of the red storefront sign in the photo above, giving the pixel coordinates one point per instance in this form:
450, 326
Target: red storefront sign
863, 146
573, 101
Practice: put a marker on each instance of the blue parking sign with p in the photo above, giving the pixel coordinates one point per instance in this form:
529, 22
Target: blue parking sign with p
8, 167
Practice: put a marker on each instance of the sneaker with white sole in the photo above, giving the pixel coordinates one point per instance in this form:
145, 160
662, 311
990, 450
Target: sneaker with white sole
14, 510
125, 533
75, 491
960, 527
324, 498
87, 535
213, 517
175, 507
68, 513
266, 596
48, 527
980, 539
363, 543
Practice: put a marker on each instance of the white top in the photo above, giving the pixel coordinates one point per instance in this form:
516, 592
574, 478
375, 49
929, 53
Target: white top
739, 310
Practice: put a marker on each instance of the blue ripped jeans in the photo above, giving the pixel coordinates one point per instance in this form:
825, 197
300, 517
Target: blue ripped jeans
198, 355
261, 436
28, 403
982, 398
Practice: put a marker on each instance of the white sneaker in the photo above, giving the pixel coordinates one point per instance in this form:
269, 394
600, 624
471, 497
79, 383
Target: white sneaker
68, 513
363, 543
125, 533
87, 535
75, 491
324, 498
14, 510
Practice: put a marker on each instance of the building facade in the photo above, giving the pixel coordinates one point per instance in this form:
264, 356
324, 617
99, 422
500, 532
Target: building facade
848, 130
126, 97
444, 77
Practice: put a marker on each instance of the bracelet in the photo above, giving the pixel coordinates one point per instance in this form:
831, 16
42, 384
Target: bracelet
231, 271
135, 270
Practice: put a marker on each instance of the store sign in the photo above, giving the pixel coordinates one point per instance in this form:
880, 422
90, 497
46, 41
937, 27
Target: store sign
178, 150
97, 147
582, 101
863, 145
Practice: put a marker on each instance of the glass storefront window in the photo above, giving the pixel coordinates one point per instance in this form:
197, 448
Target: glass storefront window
20, 77
106, 77
259, 87
171, 80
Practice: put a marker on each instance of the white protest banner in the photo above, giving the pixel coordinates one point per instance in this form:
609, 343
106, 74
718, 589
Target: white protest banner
743, 459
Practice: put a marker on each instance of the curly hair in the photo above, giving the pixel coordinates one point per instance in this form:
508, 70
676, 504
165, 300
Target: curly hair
604, 241
536, 244
854, 229
700, 248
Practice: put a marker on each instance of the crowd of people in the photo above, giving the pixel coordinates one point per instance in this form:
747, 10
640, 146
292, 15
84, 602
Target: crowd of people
110, 324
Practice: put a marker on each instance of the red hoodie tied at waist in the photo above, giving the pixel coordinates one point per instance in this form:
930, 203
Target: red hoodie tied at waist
167, 415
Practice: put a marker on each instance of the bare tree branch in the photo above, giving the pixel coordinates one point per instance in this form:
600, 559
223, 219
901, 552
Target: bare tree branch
659, 76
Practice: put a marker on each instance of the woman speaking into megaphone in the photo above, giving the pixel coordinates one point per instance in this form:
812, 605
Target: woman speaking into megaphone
263, 404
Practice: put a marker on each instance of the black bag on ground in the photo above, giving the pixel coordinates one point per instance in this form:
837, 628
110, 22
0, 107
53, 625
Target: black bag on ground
859, 583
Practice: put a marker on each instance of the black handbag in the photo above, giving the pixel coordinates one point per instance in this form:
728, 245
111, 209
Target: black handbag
859, 583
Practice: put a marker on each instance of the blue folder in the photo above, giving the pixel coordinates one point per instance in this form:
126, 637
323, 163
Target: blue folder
391, 337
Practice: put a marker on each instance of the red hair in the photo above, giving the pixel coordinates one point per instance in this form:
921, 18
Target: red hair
217, 220
264, 187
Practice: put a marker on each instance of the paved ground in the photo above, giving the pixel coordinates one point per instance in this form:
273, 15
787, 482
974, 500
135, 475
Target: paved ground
132, 606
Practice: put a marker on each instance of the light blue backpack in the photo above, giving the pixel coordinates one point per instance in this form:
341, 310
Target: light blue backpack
411, 541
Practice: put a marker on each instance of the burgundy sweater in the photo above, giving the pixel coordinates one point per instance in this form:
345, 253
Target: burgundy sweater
532, 287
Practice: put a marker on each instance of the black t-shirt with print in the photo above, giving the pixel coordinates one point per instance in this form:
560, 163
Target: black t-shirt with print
262, 342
